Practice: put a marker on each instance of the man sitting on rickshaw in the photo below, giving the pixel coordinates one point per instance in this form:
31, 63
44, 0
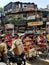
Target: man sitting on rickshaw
41, 42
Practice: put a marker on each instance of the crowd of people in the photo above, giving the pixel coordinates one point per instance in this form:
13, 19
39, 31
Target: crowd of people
4, 48
26, 40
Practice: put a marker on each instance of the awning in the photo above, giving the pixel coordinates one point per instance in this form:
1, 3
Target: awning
35, 23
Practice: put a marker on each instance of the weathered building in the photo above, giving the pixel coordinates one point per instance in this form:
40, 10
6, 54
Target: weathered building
20, 14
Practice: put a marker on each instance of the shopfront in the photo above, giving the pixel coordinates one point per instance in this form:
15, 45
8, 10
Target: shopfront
33, 25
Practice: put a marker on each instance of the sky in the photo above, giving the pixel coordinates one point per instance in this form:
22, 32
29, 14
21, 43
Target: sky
40, 3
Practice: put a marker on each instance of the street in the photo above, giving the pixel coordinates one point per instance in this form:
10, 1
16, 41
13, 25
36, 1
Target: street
38, 62
35, 61
24, 32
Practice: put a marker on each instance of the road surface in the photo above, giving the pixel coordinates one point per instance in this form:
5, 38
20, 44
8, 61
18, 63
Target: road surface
35, 61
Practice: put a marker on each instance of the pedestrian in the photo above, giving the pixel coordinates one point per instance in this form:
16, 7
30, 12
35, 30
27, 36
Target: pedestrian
3, 50
15, 43
17, 48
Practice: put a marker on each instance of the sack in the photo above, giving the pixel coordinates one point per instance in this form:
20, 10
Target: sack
18, 50
1, 50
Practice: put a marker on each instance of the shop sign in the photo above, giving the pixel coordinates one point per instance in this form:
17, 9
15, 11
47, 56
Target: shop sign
35, 23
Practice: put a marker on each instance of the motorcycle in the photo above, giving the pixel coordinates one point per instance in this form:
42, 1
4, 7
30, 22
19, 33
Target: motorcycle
18, 59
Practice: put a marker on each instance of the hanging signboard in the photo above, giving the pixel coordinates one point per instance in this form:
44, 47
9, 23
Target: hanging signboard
35, 23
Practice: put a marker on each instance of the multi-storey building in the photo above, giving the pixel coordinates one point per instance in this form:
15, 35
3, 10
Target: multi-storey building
21, 13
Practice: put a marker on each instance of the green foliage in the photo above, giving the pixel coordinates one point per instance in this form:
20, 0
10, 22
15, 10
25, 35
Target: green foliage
1, 9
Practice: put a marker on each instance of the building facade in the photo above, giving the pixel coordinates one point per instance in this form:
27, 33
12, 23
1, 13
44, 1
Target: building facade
20, 14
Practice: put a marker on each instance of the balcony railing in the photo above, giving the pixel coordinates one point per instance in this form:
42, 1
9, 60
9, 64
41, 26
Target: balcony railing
23, 9
20, 10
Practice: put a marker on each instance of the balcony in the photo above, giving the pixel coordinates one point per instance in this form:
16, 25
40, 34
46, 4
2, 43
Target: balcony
13, 10
28, 9
17, 10
8, 11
